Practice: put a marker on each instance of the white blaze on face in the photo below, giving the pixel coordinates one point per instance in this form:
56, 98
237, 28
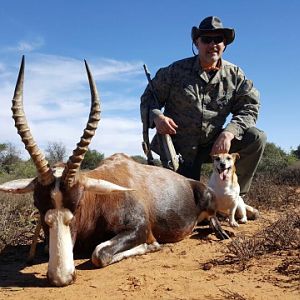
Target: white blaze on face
61, 268
223, 164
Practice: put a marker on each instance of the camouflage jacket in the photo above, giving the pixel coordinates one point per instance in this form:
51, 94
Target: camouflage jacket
199, 105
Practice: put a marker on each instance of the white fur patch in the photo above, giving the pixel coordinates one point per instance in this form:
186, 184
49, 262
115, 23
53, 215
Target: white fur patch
226, 188
101, 246
138, 250
61, 268
56, 195
57, 171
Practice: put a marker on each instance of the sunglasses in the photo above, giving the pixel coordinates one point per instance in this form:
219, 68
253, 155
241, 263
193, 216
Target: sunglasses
208, 39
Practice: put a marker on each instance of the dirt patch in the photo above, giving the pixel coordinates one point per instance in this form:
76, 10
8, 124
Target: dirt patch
179, 271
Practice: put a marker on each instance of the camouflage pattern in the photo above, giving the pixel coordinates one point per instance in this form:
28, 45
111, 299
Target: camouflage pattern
200, 106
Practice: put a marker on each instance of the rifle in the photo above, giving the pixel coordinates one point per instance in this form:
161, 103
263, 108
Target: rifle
164, 139
146, 143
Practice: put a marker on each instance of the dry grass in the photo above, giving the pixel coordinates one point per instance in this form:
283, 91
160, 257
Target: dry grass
229, 295
18, 218
284, 234
290, 267
269, 193
281, 238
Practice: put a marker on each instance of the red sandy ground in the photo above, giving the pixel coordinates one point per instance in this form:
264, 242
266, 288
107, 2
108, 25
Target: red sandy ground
175, 272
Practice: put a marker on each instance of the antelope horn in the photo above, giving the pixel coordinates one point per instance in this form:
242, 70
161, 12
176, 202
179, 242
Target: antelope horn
74, 161
45, 174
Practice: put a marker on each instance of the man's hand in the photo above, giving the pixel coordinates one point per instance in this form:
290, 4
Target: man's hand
222, 143
165, 125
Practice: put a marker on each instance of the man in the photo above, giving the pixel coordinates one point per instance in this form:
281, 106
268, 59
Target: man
198, 94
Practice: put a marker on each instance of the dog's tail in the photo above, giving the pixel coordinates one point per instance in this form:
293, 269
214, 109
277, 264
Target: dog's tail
252, 213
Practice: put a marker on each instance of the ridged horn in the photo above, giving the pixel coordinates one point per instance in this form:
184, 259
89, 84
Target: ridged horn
45, 174
74, 161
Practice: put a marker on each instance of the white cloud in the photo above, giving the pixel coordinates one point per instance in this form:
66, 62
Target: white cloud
57, 102
26, 46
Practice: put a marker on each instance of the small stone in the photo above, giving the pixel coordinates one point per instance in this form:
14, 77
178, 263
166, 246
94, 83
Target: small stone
207, 266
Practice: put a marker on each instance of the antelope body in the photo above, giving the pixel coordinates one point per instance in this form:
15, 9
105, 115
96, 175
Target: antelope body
120, 209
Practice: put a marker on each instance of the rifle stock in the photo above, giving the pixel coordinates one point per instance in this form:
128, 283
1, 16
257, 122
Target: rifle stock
166, 140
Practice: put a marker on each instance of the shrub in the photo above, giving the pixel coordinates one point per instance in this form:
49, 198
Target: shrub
24, 169
275, 159
17, 219
55, 152
289, 175
140, 159
9, 156
92, 159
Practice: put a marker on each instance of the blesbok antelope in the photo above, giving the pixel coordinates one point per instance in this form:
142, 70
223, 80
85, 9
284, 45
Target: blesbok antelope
120, 209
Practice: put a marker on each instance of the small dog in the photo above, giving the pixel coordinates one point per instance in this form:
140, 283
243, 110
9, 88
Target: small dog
224, 183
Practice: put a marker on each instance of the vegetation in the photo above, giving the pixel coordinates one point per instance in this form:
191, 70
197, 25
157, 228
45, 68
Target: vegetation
296, 152
11, 164
55, 152
140, 159
9, 157
276, 159
91, 159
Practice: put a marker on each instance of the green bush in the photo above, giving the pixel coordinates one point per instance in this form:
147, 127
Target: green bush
92, 159
9, 156
24, 169
296, 152
275, 159
140, 159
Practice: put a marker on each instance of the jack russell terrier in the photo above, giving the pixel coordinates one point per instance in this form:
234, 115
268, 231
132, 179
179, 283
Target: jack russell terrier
224, 183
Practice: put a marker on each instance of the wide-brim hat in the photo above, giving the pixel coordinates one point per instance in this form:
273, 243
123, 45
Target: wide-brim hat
213, 24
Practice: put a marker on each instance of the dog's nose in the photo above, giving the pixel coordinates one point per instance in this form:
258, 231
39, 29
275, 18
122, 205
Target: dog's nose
222, 165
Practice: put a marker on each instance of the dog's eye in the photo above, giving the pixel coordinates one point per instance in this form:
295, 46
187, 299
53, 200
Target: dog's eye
217, 158
228, 158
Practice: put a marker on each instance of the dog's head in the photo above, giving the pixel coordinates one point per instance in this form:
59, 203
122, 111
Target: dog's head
223, 164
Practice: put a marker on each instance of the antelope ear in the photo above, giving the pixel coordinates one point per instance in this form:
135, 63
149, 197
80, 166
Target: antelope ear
19, 186
100, 186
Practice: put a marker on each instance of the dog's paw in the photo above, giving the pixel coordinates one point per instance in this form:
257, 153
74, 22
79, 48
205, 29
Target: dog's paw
243, 220
233, 223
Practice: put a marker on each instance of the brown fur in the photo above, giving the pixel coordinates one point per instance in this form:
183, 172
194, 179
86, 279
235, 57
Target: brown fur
98, 218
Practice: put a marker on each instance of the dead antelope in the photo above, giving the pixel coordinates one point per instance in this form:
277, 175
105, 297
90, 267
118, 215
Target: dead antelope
120, 209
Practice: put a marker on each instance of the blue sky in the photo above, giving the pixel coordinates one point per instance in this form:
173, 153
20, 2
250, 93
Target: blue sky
117, 38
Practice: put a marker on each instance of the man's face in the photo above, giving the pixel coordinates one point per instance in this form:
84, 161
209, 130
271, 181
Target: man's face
210, 47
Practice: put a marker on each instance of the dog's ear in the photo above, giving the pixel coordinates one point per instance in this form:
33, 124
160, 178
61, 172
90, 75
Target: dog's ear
236, 156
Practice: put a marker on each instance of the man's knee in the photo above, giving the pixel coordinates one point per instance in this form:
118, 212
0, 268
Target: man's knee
255, 135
